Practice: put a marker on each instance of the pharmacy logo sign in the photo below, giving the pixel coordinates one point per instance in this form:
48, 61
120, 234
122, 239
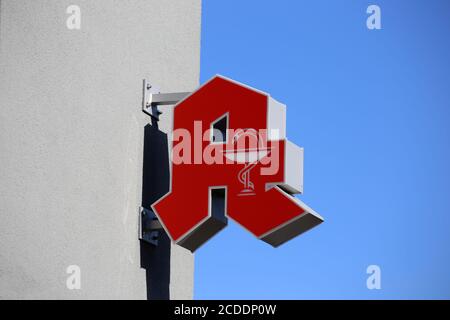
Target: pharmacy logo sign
231, 160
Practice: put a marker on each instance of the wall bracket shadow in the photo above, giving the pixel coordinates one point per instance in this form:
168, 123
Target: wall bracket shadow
155, 259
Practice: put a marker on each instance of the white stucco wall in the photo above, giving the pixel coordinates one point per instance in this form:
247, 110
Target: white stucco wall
71, 141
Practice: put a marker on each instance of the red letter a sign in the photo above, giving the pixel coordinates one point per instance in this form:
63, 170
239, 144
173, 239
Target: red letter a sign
231, 159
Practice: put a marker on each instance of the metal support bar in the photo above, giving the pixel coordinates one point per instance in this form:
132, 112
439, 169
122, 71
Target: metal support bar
162, 99
149, 226
152, 98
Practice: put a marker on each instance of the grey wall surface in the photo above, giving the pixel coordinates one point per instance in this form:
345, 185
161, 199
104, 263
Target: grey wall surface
71, 144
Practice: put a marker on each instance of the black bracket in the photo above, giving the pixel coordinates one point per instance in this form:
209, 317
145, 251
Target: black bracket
149, 226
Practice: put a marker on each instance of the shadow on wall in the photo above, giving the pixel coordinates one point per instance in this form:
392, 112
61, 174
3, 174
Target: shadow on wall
155, 183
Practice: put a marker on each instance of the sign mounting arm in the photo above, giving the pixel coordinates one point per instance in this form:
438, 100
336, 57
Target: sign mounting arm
152, 98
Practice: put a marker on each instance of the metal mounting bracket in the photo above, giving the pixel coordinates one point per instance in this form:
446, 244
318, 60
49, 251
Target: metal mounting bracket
149, 226
152, 98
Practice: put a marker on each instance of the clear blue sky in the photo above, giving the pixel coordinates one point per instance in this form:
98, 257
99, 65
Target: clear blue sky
372, 110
